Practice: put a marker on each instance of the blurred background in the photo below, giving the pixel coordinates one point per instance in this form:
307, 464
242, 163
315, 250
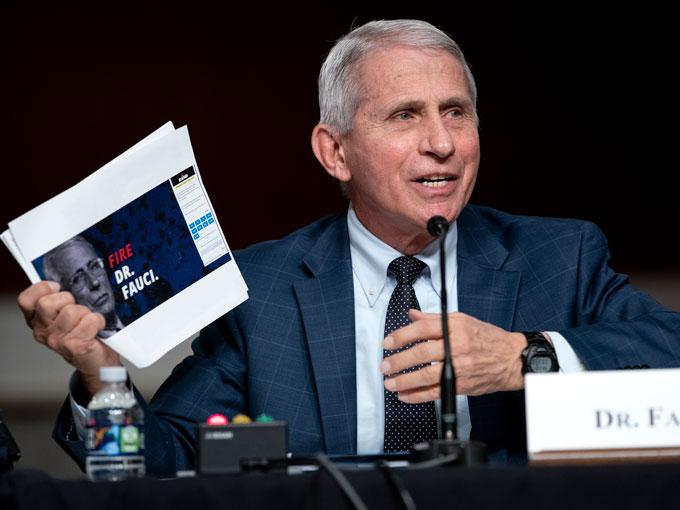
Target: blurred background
574, 105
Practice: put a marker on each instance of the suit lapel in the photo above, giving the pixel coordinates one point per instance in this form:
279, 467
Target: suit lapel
485, 291
326, 302
488, 293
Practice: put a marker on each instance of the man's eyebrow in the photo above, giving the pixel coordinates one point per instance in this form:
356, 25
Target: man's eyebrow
76, 272
410, 105
455, 101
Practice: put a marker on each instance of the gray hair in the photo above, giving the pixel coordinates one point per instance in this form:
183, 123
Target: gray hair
50, 264
340, 90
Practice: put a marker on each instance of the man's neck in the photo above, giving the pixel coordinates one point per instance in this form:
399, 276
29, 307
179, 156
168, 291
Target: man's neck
408, 243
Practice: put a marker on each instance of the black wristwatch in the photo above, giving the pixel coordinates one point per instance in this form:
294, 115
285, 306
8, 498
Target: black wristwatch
539, 356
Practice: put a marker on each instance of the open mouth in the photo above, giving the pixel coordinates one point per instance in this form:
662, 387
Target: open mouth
436, 181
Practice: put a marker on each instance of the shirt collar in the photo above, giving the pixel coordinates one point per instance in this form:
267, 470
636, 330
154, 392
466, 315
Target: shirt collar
430, 255
371, 257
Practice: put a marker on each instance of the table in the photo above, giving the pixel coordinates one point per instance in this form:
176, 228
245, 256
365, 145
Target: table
621, 487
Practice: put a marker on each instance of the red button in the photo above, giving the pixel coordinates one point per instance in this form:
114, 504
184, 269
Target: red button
217, 419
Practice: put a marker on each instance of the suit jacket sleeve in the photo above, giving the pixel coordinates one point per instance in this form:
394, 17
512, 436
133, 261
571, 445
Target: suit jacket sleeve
616, 325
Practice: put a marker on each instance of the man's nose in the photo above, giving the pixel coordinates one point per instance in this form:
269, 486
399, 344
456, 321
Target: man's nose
92, 280
437, 140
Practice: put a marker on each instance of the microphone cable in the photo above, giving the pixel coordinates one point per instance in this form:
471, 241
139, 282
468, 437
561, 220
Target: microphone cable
397, 485
342, 481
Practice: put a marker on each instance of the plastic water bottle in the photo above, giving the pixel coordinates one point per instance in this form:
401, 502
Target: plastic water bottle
115, 430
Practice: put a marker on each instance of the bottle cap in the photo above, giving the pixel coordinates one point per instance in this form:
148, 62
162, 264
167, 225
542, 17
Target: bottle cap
264, 418
112, 374
241, 418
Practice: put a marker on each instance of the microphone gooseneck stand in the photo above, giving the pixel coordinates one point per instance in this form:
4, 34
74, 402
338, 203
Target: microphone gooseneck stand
447, 449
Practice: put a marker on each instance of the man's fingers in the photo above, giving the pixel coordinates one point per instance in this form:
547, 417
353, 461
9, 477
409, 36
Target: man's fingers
68, 318
81, 340
420, 353
420, 395
426, 328
73, 334
90, 325
29, 297
415, 315
48, 307
426, 376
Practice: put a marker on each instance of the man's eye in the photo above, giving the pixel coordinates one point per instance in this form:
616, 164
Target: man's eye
456, 113
77, 279
95, 265
404, 116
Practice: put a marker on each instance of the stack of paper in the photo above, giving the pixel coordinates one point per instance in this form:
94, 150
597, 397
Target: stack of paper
138, 241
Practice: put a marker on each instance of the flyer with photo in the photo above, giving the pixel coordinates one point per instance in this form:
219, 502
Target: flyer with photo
147, 251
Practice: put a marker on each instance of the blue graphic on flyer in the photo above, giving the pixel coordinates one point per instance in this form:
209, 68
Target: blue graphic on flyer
131, 261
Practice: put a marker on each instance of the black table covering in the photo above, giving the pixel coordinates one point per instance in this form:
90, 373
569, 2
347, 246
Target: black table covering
620, 487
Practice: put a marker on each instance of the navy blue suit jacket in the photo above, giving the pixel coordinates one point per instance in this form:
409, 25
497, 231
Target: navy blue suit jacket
289, 350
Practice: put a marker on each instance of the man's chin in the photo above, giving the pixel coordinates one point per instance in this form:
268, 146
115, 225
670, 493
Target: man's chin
448, 212
106, 308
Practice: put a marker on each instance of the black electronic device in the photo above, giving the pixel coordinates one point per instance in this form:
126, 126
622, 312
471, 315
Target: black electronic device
224, 449
539, 355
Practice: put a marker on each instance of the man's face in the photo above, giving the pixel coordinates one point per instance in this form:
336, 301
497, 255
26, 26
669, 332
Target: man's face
413, 151
84, 276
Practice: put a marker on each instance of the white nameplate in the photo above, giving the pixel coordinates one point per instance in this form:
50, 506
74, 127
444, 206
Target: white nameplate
603, 414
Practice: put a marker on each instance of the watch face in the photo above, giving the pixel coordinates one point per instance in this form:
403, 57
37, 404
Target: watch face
540, 364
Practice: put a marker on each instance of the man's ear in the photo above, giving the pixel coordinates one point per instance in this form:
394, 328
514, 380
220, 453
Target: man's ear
328, 149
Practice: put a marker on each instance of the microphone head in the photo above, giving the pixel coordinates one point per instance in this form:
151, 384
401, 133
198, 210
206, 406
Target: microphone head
437, 225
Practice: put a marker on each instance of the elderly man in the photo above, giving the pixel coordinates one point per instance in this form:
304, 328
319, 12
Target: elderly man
320, 343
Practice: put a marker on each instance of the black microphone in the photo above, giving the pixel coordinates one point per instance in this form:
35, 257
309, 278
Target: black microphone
437, 226
447, 450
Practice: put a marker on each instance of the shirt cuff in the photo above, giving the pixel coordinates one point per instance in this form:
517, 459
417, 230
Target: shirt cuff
566, 356
78, 412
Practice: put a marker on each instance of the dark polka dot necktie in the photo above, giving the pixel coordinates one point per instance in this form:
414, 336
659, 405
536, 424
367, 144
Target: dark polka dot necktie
405, 424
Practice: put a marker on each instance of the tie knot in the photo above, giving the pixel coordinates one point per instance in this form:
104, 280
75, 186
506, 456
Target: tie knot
406, 269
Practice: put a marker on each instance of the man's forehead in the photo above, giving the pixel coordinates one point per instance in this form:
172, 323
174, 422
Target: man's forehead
77, 251
396, 60
399, 73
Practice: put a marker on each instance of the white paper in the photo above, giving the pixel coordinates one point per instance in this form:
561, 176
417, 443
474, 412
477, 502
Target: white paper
102, 193
8, 237
148, 165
